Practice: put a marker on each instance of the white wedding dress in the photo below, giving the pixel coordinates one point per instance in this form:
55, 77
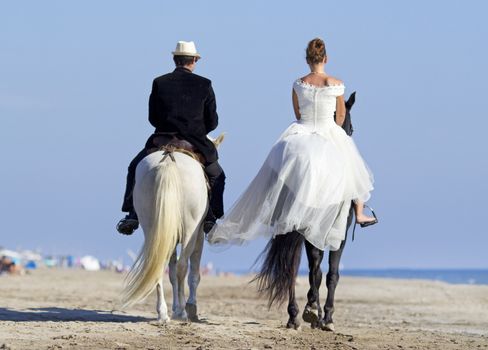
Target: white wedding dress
306, 183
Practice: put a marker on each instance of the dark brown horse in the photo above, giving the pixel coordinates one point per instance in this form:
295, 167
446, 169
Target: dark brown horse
281, 261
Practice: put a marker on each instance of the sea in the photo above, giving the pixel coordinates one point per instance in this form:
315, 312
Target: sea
453, 276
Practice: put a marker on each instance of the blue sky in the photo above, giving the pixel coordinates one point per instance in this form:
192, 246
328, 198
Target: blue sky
75, 79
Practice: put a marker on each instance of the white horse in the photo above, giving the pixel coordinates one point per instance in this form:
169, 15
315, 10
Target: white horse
171, 200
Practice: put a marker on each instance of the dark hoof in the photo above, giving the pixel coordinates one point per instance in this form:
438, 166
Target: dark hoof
327, 326
311, 315
293, 324
191, 311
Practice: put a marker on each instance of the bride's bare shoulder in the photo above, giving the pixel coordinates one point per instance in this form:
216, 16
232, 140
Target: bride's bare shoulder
304, 78
333, 81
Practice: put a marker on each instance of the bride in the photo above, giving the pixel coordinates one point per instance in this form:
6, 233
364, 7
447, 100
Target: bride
311, 174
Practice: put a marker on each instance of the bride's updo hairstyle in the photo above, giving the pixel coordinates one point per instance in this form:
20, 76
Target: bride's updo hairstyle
315, 51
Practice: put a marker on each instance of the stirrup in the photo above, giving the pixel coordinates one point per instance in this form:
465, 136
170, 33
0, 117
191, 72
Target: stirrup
364, 224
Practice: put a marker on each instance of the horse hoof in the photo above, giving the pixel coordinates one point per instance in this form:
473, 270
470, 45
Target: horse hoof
191, 311
163, 320
315, 325
180, 316
310, 316
293, 324
328, 327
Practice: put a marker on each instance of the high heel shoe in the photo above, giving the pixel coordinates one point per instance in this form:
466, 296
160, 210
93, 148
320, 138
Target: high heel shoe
364, 224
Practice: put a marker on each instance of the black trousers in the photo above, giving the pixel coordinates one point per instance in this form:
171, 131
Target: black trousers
216, 179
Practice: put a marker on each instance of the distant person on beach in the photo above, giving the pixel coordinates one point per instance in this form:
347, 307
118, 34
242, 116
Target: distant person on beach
312, 173
7, 265
181, 106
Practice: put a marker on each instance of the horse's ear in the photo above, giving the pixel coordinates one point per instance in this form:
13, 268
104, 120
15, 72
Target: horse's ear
350, 101
218, 140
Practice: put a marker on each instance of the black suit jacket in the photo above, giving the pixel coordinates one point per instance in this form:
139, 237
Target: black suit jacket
184, 103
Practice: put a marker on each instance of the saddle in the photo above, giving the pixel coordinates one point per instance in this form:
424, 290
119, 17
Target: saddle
170, 142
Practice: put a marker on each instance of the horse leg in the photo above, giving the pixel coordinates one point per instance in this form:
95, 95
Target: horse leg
194, 279
332, 280
161, 306
312, 312
277, 276
187, 248
174, 282
292, 306
181, 269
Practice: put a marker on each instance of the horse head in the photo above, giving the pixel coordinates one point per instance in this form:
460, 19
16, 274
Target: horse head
350, 101
347, 125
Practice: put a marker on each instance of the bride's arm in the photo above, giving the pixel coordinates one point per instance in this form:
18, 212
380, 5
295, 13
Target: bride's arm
340, 110
295, 104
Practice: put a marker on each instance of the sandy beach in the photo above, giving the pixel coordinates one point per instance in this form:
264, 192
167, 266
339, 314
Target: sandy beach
75, 309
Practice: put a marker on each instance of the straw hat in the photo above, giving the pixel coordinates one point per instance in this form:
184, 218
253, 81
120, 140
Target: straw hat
186, 48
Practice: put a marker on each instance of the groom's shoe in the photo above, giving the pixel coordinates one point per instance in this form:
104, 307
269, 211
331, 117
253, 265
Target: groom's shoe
208, 226
129, 224
209, 221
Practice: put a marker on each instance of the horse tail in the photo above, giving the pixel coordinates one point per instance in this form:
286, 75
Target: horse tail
281, 260
163, 234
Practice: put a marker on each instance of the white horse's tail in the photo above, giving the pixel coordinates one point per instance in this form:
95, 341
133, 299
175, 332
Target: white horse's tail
162, 236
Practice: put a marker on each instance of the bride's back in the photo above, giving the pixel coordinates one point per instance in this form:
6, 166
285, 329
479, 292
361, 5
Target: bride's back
317, 98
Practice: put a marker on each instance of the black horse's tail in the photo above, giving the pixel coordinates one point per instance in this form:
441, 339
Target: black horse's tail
281, 260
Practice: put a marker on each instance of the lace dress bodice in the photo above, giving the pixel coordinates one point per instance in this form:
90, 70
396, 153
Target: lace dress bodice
317, 104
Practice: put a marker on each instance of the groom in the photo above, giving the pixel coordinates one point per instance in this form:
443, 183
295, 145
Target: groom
181, 105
